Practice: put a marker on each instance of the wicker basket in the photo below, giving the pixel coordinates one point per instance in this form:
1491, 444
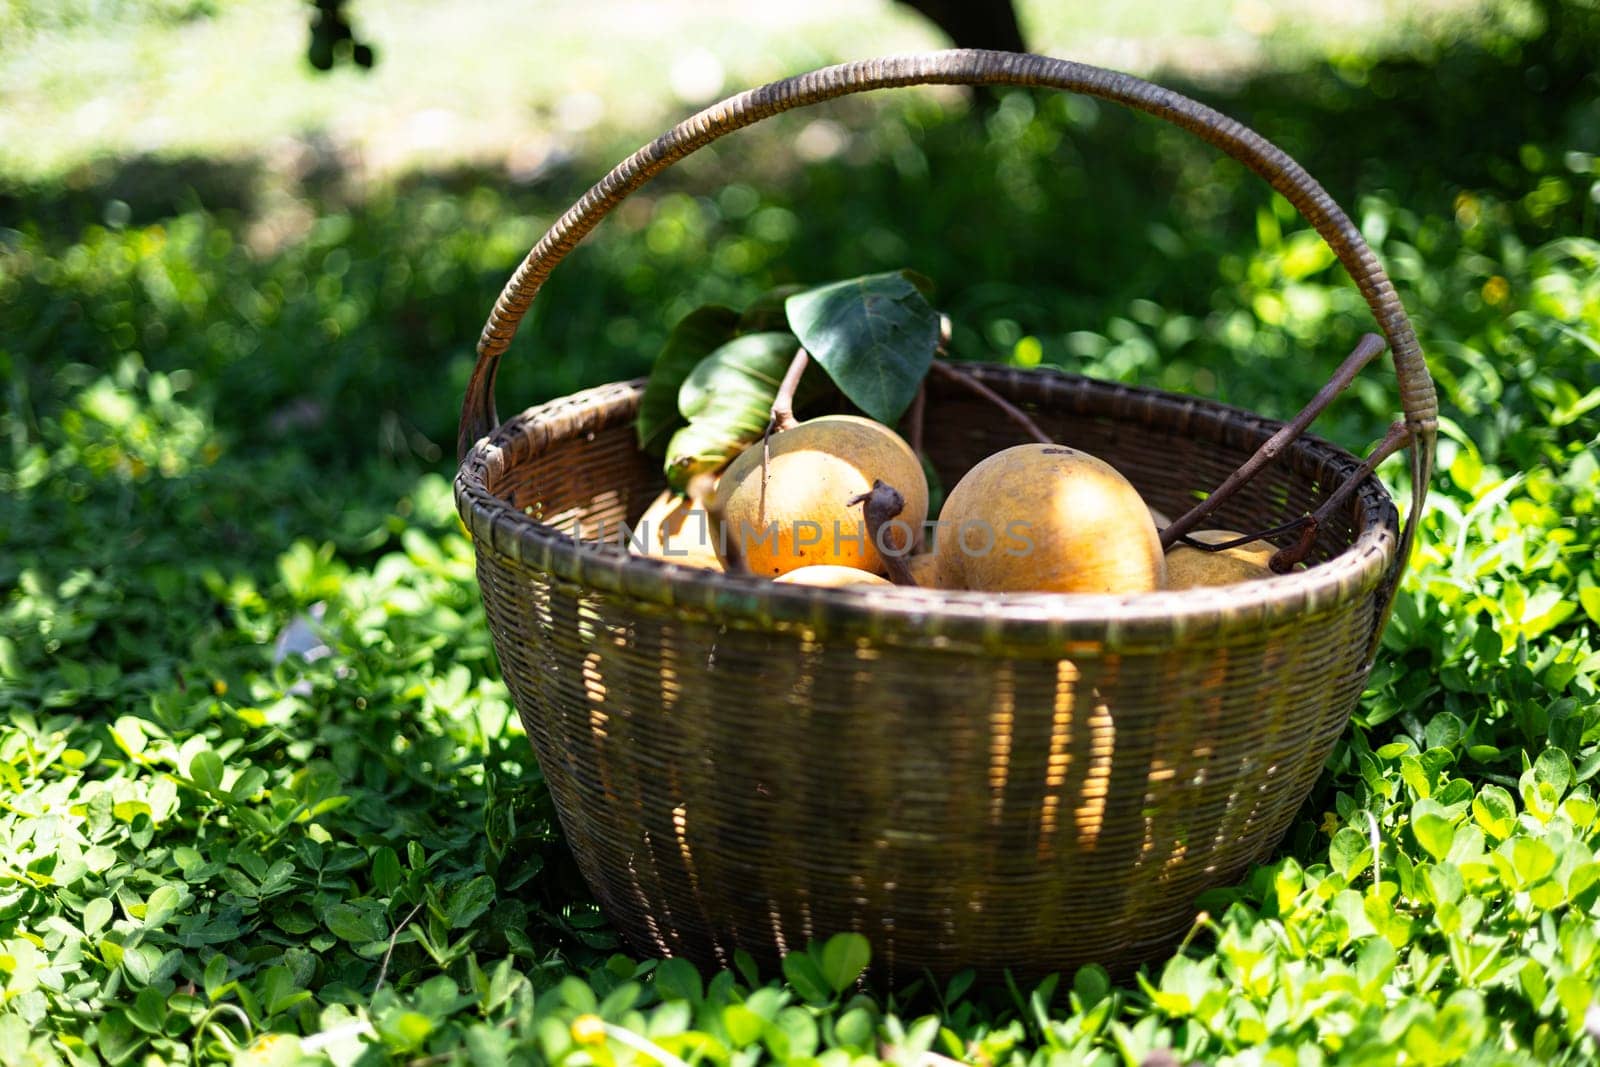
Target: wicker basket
1027, 782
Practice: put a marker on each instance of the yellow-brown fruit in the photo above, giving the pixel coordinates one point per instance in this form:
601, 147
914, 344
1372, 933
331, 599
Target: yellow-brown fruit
815, 470
676, 529
924, 569
830, 575
1190, 567
1047, 518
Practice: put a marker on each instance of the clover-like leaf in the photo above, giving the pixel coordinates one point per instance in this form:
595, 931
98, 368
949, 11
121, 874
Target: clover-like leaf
805, 978
875, 336
356, 922
844, 957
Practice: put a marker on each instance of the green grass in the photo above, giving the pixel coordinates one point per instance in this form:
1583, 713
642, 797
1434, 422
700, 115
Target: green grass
81, 80
226, 412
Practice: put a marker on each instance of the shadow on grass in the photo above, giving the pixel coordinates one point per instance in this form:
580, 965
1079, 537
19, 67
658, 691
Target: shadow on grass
353, 330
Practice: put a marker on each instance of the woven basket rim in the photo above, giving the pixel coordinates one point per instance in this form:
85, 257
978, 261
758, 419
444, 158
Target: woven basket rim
896, 614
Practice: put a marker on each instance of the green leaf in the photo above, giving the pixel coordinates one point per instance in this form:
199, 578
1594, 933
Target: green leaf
794, 1031
117, 1038
677, 979
1553, 769
727, 399
743, 1025
205, 769
161, 906
875, 336
696, 336
469, 901
1445, 884
216, 973
1590, 599
1434, 833
1091, 984
386, 873
1444, 731
1349, 853
96, 914
1583, 885
1495, 811
149, 1011
805, 977
356, 923
844, 957
1416, 776
1531, 859
856, 1029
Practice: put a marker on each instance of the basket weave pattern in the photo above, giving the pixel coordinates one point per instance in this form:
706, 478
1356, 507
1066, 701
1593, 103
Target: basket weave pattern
1026, 782
1034, 796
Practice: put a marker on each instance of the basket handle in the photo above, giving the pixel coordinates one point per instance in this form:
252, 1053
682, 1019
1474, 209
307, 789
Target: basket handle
975, 67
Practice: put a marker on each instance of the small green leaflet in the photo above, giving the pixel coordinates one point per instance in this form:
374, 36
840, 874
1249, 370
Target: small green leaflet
874, 335
695, 336
727, 399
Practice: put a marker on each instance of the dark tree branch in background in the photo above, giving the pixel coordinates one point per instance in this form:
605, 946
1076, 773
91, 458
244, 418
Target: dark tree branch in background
975, 23
332, 39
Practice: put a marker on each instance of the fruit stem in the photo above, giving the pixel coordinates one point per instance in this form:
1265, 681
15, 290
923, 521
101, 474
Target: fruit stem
1283, 561
880, 505
950, 372
782, 414
1365, 351
783, 404
700, 488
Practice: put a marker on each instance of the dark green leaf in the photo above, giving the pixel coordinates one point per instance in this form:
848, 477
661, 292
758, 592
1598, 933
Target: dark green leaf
1091, 985
677, 979
875, 336
358, 923
727, 399
118, 1039
386, 872
805, 978
696, 336
469, 901
958, 985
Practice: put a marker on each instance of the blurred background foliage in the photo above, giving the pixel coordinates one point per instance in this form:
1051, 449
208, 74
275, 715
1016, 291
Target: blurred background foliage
238, 301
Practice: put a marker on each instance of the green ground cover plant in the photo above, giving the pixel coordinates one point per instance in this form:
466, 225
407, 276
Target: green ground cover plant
264, 799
